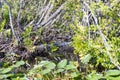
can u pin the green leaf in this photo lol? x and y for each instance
(50, 65)
(71, 66)
(2, 24)
(27, 31)
(86, 59)
(19, 63)
(94, 76)
(112, 72)
(7, 32)
(74, 74)
(54, 48)
(47, 64)
(43, 72)
(6, 70)
(28, 41)
(62, 63)
(41, 64)
(59, 70)
(113, 78)
(2, 77)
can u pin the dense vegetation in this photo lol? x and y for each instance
(59, 40)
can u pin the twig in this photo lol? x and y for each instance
(10, 17)
(18, 17)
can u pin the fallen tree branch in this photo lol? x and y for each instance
(54, 15)
(63, 50)
(47, 47)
